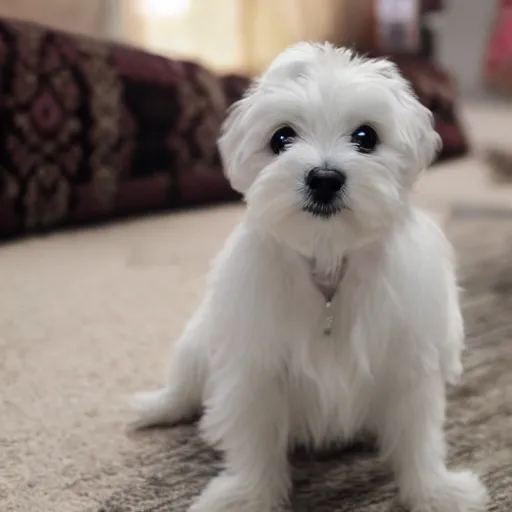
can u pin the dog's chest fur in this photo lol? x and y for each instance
(329, 385)
(329, 399)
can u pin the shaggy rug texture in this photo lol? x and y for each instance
(86, 318)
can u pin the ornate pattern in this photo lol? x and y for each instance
(94, 130)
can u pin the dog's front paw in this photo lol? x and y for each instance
(227, 493)
(457, 492)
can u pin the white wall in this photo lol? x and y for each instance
(463, 32)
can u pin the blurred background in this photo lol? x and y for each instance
(243, 35)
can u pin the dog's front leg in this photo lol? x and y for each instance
(247, 418)
(411, 435)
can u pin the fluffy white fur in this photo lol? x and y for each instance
(254, 356)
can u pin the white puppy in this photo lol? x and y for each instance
(333, 307)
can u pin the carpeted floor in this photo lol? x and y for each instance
(87, 317)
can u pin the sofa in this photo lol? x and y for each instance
(93, 130)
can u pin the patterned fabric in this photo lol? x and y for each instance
(92, 130)
(172, 466)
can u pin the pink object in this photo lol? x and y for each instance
(499, 54)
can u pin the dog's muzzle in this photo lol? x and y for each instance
(324, 188)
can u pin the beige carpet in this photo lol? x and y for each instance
(86, 318)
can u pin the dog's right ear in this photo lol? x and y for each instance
(231, 143)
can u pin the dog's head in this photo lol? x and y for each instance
(327, 145)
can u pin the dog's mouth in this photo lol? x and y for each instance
(323, 207)
(322, 210)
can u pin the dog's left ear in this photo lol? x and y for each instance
(415, 122)
(231, 142)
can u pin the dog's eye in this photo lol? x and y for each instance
(281, 139)
(365, 139)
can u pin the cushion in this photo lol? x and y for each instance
(92, 130)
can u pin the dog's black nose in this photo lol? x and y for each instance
(325, 183)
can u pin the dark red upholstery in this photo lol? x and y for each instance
(93, 130)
